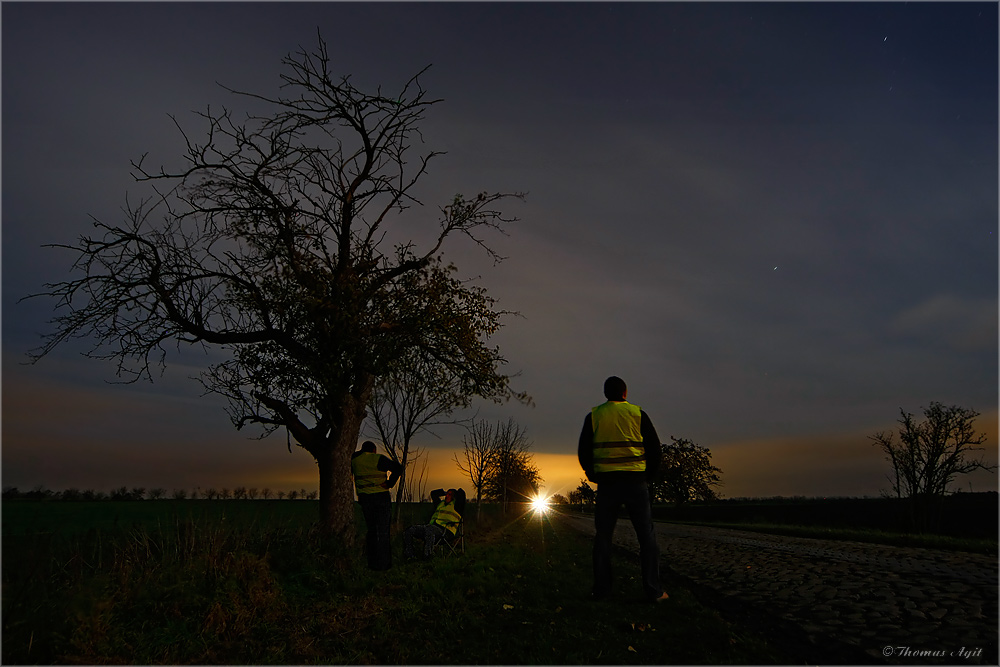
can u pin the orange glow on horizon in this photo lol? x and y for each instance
(59, 439)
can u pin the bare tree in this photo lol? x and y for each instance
(512, 475)
(479, 449)
(416, 460)
(269, 245)
(929, 455)
(416, 486)
(416, 395)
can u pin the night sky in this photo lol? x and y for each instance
(777, 222)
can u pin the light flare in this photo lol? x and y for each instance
(540, 504)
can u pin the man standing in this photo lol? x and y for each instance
(369, 471)
(620, 452)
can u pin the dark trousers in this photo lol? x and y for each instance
(377, 510)
(635, 497)
(430, 533)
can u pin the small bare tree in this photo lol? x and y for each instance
(415, 463)
(416, 395)
(416, 485)
(478, 454)
(930, 454)
(511, 473)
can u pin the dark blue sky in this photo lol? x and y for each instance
(777, 222)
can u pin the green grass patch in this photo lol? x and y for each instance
(249, 582)
(26, 517)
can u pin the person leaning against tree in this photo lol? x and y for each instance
(619, 451)
(372, 487)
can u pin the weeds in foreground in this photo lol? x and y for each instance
(209, 591)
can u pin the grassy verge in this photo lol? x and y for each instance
(942, 542)
(201, 591)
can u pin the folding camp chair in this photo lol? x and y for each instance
(452, 544)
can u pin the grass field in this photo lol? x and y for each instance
(251, 582)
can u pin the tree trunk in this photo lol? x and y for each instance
(401, 482)
(336, 492)
(333, 458)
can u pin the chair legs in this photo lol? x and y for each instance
(452, 544)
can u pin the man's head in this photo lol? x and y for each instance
(615, 389)
(368, 446)
(449, 495)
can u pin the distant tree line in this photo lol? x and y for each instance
(142, 493)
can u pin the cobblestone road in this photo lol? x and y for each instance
(895, 605)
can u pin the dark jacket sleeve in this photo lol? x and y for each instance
(585, 450)
(651, 443)
(386, 464)
(460, 501)
(436, 495)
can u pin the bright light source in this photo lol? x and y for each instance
(540, 504)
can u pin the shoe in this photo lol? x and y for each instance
(662, 598)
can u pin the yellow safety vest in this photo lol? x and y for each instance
(446, 516)
(367, 477)
(618, 437)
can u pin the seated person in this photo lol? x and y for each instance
(447, 514)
